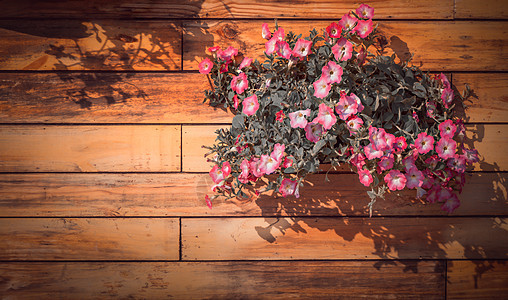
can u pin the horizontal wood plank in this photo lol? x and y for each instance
(343, 238)
(90, 45)
(489, 102)
(479, 279)
(238, 280)
(106, 98)
(86, 195)
(438, 46)
(396, 9)
(33, 148)
(89, 239)
(488, 9)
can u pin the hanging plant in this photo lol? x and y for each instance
(334, 98)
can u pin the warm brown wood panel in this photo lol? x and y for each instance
(489, 9)
(89, 239)
(490, 140)
(224, 280)
(448, 46)
(343, 238)
(34, 148)
(489, 102)
(398, 9)
(478, 279)
(106, 98)
(90, 45)
(60, 195)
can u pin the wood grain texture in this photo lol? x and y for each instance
(153, 195)
(482, 279)
(90, 45)
(489, 9)
(32, 148)
(489, 102)
(89, 239)
(438, 46)
(396, 9)
(106, 98)
(490, 140)
(344, 238)
(224, 280)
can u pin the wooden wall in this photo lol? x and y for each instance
(103, 180)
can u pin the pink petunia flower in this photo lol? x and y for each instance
(280, 116)
(365, 177)
(457, 163)
(444, 80)
(325, 117)
(279, 34)
(205, 66)
(250, 105)
(343, 50)
(414, 178)
(390, 140)
(358, 102)
(213, 49)
(399, 144)
(386, 163)
(451, 203)
(216, 174)
(283, 49)
(298, 119)
(313, 131)
(447, 129)
(228, 54)
(265, 31)
(348, 22)
(236, 101)
(365, 11)
(377, 138)
(424, 143)
(239, 83)
(446, 147)
(302, 48)
(321, 88)
(354, 124)
(287, 187)
(332, 72)
(428, 179)
(288, 162)
(278, 151)
(357, 160)
(268, 164)
(363, 28)
(408, 163)
(395, 180)
(245, 63)
(255, 167)
(244, 175)
(334, 30)
(346, 107)
(471, 156)
(432, 161)
(271, 46)
(372, 153)
(447, 97)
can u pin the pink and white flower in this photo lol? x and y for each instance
(325, 117)
(239, 83)
(298, 119)
(313, 131)
(271, 46)
(268, 164)
(220, 174)
(321, 88)
(354, 124)
(228, 54)
(288, 162)
(244, 175)
(358, 160)
(446, 147)
(348, 22)
(205, 66)
(424, 143)
(377, 138)
(332, 72)
(213, 49)
(471, 156)
(358, 102)
(279, 34)
(287, 187)
(365, 177)
(447, 129)
(457, 163)
(386, 163)
(365, 11)
(283, 49)
(343, 50)
(444, 80)
(236, 101)
(278, 151)
(265, 31)
(414, 178)
(255, 167)
(363, 28)
(447, 97)
(372, 153)
(395, 180)
(250, 105)
(346, 107)
(302, 48)
(399, 144)
(334, 30)
(245, 63)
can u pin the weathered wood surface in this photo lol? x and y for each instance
(344, 238)
(481, 279)
(474, 9)
(315, 9)
(90, 45)
(106, 98)
(439, 46)
(89, 239)
(490, 140)
(35, 148)
(224, 280)
(112, 195)
(170, 98)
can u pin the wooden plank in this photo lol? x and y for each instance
(474, 9)
(396, 9)
(480, 279)
(90, 45)
(89, 239)
(343, 238)
(224, 280)
(439, 46)
(33, 148)
(490, 140)
(490, 100)
(156, 195)
(106, 98)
